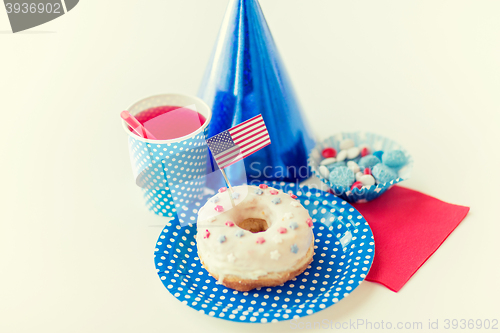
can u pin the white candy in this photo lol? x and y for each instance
(358, 176)
(367, 180)
(316, 154)
(353, 152)
(342, 155)
(353, 166)
(323, 170)
(329, 160)
(346, 144)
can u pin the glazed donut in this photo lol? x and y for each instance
(265, 240)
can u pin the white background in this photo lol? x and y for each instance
(76, 243)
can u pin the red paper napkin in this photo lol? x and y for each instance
(408, 227)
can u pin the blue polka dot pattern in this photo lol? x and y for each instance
(375, 142)
(344, 250)
(172, 175)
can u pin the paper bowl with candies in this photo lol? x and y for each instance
(360, 166)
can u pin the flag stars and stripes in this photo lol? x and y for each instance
(235, 144)
(220, 142)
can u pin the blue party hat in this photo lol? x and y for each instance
(245, 77)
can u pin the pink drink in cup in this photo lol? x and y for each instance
(170, 122)
(171, 168)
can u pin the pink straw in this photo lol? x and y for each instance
(136, 126)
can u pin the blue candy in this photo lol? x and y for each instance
(368, 161)
(258, 191)
(355, 159)
(394, 159)
(332, 166)
(379, 154)
(276, 201)
(383, 173)
(236, 195)
(294, 248)
(342, 176)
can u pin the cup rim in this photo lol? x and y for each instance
(176, 140)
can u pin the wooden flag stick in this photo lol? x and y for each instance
(230, 188)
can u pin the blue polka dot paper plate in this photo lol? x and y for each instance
(343, 255)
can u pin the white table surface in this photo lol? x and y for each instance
(76, 242)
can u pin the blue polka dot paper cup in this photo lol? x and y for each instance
(375, 143)
(171, 172)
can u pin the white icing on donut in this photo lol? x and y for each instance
(231, 257)
(277, 239)
(275, 255)
(230, 250)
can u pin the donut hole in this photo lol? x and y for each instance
(254, 225)
(254, 216)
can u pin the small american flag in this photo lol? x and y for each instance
(236, 143)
